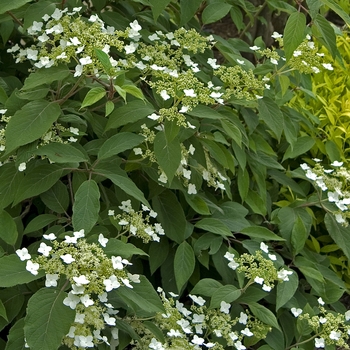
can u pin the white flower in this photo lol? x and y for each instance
(191, 189)
(57, 14)
(333, 196)
(102, 240)
(118, 262)
(109, 320)
(174, 333)
(190, 93)
(74, 131)
(197, 340)
(3, 111)
(319, 342)
(296, 312)
(164, 95)
(212, 63)
(191, 149)
(347, 315)
(335, 335)
(243, 318)
(32, 267)
(304, 166)
(273, 257)
(155, 345)
(184, 109)
(71, 332)
(258, 280)
(75, 41)
(297, 53)
(283, 274)
(323, 320)
(153, 37)
(240, 62)
(71, 300)
(50, 237)
(135, 26)
(339, 219)
(22, 167)
(67, 258)
(266, 288)
(254, 48)
(111, 283)
(138, 151)
(78, 70)
(85, 60)
(310, 175)
(163, 178)
(154, 116)
(23, 254)
(79, 318)
(43, 38)
(264, 247)
(320, 301)
(186, 173)
(225, 307)
(233, 265)
(273, 61)
(81, 280)
(135, 278)
(336, 163)
(85, 299)
(327, 66)
(190, 125)
(239, 346)
(77, 289)
(131, 48)
(276, 35)
(110, 212)
(198, 318)
(44, 249)
(185, 325)
(246, 331)
(317, 160)
(84, 342)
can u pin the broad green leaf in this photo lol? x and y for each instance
(294, 33)
(13, 271)
(15, 339)
(134, 91)
(40, 222)
(129, 113)
(61, 153)
(158, 252)
(9, 5)
(198, 204)
(13, 300)
(299, 235)
(46, 76)
(207, 241)
(264, 314)
(120, 178)
(93, 95)
(3, 312)
(168, 154)
(36, 11)
(3, 95)
(232, 131)
(150, 325)
(206, 287)
(285, 290)
(39, 180)
(8, 228)
(271, 114)
(169, 212)
(125, 250)
(188, 10)
(339, 233)
(121, 92)
(56, 198)
(325, 33)
(104, 59)
(6, 30)
(48, 320)
(125, 327)
(228, 293)
(158, 6)
(109, 108)
(314, 7)
(337, 9)
(261, 232)
(215, 226)
(119, 143)
(144, 295)
(86, 206)
(215, 11)
(10, 178)
(205, 112)
(33, 94)
(184, 263)
(30, 123)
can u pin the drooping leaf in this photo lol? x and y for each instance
(48, 320)
(261, 233)
(299, 235)
(10, 178)
(325, 33)
(93, 95)
(264, 314)
(119, 143)
(13, 271)
(86, 206)
(61, 153)
(285, 290)
(125, 250)
(214, 225)
(30, 123)
(38, 181)
(337, 9)
(294, 33)
(8, 228)
(9, 5)
(184, 263)
(36, 11)
(158, 7)
(188, 10)
(56, 198)
(215, 11)
(206, 287)
(104, 59)
(40, 222)
(158, 252)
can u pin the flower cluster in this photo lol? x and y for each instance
(329, 328)
(91, 274)
(335, 182)
(198, 327)
(138, 223)
(258, 269)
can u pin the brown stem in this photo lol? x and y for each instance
(14, 18)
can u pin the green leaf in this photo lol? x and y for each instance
(3, 313)
(61, 153)
(314, 7)
(48, 320)
(8, 228)
(13, 271)
(104, 59)
(129, 113)
(120, 178)
(94, 95)
(134, 91)
(10, 178)
(299, 235)
(285, 290)
(294, 33)
(39, 180)
(264, 314)
(56, 198)
(158, 252)
(121, 92)
(158, 6)
(228, 293)
(36, 11)
(271, 114)
(325, 33)
(339, 233)
(46, 76)
(337, 9)
(261, 233)
(206, 287)
(125, 250)
(40, 222)
(30, 123)
(109, 108)
(119, 143)
(205, 112)
(184, 263)
(169, 212)
(144, 295)
(215, 226)
(188, 10)
(215, 11)
(9, 5)
(86, 206)
(168, 154)
(15, 339)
